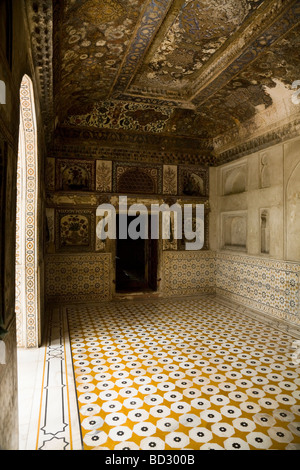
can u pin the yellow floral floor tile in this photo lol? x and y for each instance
(183, 374)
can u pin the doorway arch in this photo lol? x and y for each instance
(26, 289)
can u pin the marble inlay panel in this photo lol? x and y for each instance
(267, 285)
(78, 277)
(188, 273)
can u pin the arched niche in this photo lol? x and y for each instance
(234, 231)
(265, 177)
(235, 181)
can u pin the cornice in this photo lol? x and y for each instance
(157, 141)
(274, 136)
(40, 25)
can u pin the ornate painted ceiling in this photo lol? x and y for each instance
(189, 70)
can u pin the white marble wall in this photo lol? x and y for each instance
(264, 272)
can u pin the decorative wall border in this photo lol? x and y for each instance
(269, 286)
(58, 425)
(40, 22)
(69, 148)
(27, 260)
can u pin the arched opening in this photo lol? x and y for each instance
(26, 303)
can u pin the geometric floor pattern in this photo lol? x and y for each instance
(183, 374)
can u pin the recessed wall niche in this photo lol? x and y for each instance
(234, 179)
(265, 232)
(234, 231)
(193, 182)
(265, 177)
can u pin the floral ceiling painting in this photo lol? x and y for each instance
(191, 70)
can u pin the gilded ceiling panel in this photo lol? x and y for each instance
(126, 116)
(93, 37)
(170, 69)
(248, 93)
(237, 102)
(196, 34)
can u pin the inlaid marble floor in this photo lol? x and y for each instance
(166, 374)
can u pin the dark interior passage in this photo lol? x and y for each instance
(136, 264)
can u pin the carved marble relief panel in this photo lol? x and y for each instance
(170, 179)
(271, 167)
(104, 176)
(75, 230)
(293, 215)
(265, 231)
(265, 181)
(75, 175)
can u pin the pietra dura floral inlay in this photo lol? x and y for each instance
(75, 230)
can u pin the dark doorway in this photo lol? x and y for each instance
(136, 263)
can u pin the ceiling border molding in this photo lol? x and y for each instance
(40, 23)
(275, 136)
(70, 149)
(111, 136)
(127, 147)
